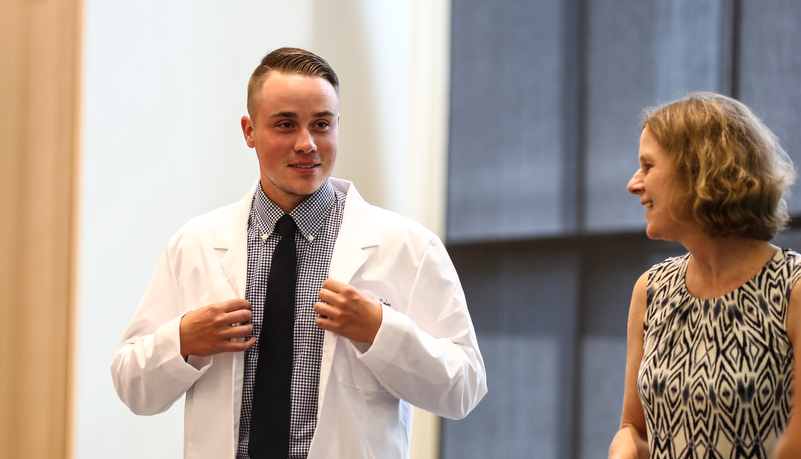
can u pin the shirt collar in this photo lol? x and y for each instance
(309, 215)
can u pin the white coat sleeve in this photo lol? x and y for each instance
(149, 372)
(429, 355)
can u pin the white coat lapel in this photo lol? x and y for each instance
(233, 238)
(357, 233)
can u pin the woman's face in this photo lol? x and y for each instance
(655, 183)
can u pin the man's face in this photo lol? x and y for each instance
(295, 136)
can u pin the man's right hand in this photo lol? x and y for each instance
(210, 330)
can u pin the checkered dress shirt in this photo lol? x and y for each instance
(318, 219)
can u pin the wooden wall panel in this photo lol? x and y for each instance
(39, 98)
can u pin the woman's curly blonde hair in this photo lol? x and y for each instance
(732, 172)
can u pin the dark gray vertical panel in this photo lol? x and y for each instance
(641, 53)
(603, 368)
(688, 47)
(770, 71)
(505, 154)
(523, 305)
(610, 273)
(573, 119)
(619, 84)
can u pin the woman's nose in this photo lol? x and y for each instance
(635, 184)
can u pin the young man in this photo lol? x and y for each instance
(300, 321)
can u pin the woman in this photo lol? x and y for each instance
(709, 371)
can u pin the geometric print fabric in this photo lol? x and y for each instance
(716, 376)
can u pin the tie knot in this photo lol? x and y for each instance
(286, 226)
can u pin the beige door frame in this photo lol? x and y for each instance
(40, 49)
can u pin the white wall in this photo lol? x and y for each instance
(164, 88)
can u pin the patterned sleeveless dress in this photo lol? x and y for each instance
(716, 375)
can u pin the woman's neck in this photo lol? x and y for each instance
(720, 265)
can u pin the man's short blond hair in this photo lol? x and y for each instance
(290, 61)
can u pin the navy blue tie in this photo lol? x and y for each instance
(272, 399)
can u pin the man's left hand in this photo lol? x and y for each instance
(345, 310)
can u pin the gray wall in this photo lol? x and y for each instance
(546, 98)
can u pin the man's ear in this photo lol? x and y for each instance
(247, 130)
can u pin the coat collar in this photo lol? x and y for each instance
(357, 232)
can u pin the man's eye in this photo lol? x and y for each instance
(322, 124)
(285, 125)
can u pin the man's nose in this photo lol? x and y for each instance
(635, 184)
(305, 142)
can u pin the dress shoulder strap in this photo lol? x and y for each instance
(663, 279)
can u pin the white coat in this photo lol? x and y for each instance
(425, 353)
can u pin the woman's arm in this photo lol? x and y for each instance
(631, 441)
(789, 446)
